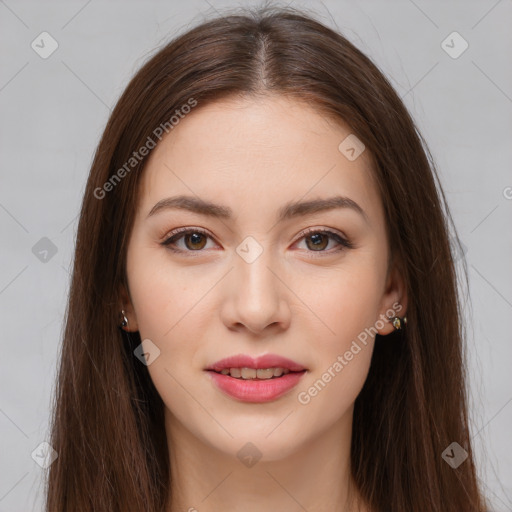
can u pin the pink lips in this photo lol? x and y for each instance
(266, 361)
(256, 390)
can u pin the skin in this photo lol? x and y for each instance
(255, 155)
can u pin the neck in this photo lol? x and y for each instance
(315, 476)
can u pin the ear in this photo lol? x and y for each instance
(394, 300)
(129, 312)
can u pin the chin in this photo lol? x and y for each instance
(258, 443)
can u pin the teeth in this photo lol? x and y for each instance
(252, 373)
(267, 373)
(235, 372)
(248, 373)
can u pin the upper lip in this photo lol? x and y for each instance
(262, 362)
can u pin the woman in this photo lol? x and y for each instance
(263, 312)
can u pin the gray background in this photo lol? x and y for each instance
(53, 111)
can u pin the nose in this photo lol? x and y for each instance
(256, 296)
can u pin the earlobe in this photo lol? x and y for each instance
(127, 319)
(394, 306)
(124, 320)
(391, 321)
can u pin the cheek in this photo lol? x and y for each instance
(171, 307)
(168, 307)
(163, 295)
(347, 303)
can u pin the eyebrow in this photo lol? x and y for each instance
(290, 210)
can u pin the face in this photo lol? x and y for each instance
(258, 275)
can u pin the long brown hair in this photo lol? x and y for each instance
(108, 425)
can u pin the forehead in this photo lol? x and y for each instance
(257, 153)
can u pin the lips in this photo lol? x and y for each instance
(251, 388)
(260, 363)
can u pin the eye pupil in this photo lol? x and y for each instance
(317, 240)
(196, 239)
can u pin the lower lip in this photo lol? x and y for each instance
(256, 390)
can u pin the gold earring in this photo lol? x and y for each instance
(124, 321)
(398, 322)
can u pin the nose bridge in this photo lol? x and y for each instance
(253, 266)
(257, 291)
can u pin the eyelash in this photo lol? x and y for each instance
(180, 232)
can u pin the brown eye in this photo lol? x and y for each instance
(194, 240)
(319, 241)
(197, 241)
